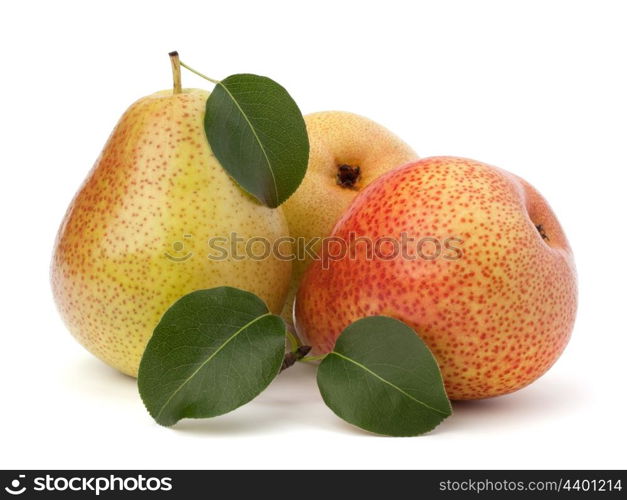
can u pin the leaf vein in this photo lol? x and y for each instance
(195, 372)
(366, 369)
(254, 131)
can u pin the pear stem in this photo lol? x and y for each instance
(199, 73)
(292, 357)
(312, 359)
(176, 72)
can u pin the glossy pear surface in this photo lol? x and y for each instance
(140, 232)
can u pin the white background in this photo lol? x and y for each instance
(538, 88)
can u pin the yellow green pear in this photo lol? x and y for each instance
(137, 235)
(347, 152)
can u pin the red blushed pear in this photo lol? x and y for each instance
(491, 290)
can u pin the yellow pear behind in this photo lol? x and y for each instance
(347, 152)
(138, 234)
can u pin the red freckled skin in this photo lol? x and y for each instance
(497, 318)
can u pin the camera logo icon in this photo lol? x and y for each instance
(15, 489)
(179, 253)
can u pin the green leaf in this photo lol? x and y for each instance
(258, 134)
(383, 378)
(213, 351)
